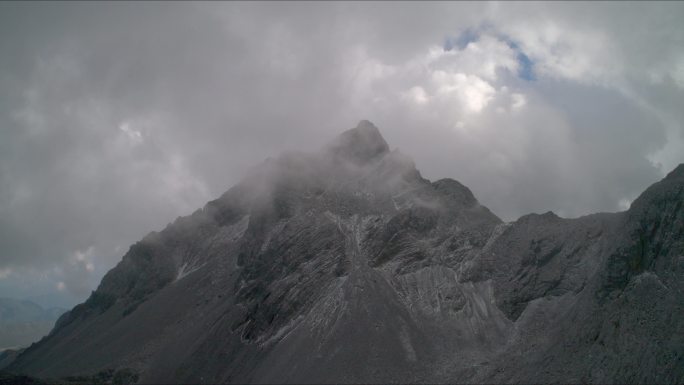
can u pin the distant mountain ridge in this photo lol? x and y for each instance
(347, 266)
(23, 322)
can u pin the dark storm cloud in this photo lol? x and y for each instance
(117, 117)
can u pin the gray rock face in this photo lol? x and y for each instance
(360, 145)
(347, 266)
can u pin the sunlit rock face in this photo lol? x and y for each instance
(345, 265)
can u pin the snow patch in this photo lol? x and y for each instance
(186, 270)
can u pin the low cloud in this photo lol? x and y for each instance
(116, 118)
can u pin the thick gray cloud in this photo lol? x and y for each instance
(115, 118)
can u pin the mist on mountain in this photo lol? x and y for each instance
(345, 265)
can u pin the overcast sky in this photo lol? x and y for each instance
(117, 118)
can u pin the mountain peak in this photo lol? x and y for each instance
(360, 144)
(366, 125)
(317, 265)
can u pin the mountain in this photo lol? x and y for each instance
(347, 266)
(24, 322)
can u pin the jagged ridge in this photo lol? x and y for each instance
(347, 266)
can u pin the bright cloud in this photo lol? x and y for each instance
(469, 91)
(483, 57)
(417, 95)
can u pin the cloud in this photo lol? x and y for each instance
(115, 118)
(483, 57)
(416, 95)
(133, 135)
(4, 273)
(470, 91)
(518, 101)
(624, 204)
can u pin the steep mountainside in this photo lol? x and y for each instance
(347, 266)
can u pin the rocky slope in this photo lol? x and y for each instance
(347, 266)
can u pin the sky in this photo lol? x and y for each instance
(116, 118)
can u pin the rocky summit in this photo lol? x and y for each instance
(347, 266)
